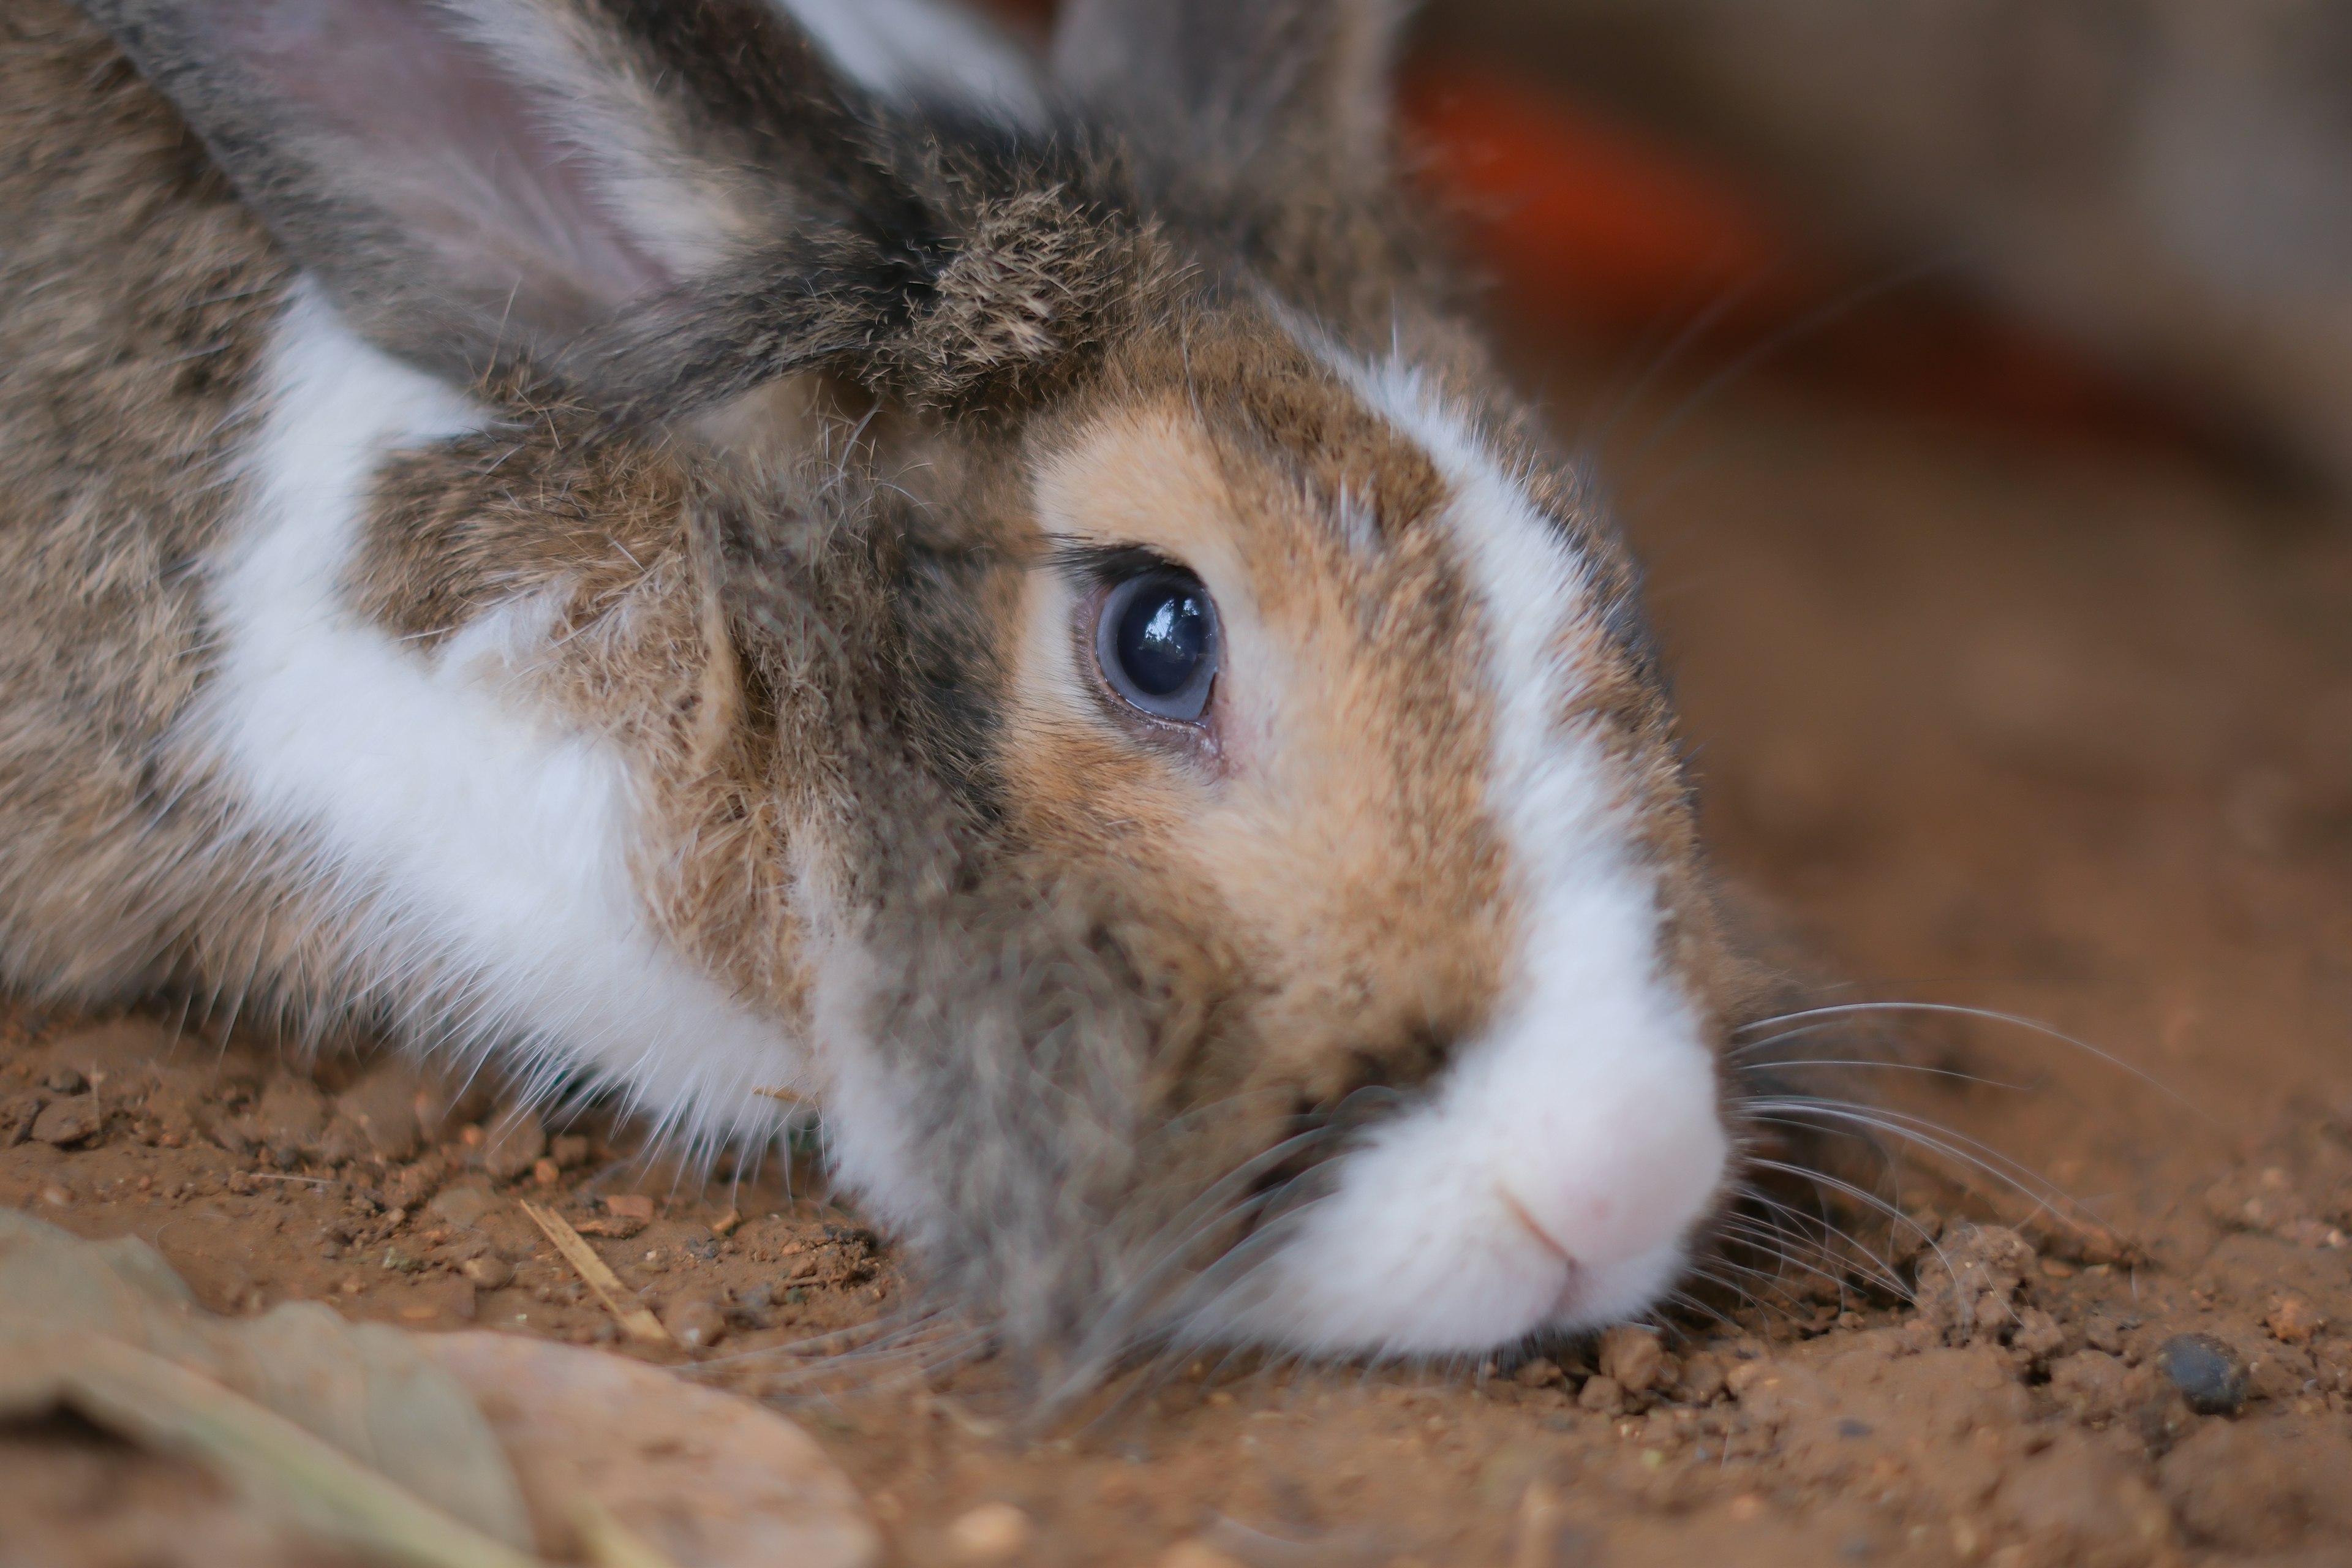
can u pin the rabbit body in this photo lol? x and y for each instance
(586, 533)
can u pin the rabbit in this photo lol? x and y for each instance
(724, 554)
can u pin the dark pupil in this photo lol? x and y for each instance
(1161, 637)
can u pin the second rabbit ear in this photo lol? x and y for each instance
(475, 181)
(1243, 80)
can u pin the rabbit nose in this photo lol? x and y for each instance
(1534, 1227)
(1623, 1190)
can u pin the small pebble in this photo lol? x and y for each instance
(518, 1142)
(694, 1321)
(993, 1532)
(2207, 1372)
(488, 1272)
(629, 1206)
(64, 1080)
(1632, 1357)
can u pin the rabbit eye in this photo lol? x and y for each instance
(1156, 643)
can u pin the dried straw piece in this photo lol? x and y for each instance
(635, 1321)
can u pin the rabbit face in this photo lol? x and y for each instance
(1413, 853)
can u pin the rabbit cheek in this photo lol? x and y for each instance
(474, 845)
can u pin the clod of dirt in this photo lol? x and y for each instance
(993, 1532)
(568, 1151)
(2209, 1374)
(2038, 1334)
(2292, 1320)
(63, 1122)
(1603, 1394)
(2091, 1385)
(1968, 1285)
(64, 1080)
(518, 1142)
(1632, 1357)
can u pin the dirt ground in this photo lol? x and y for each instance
(2061, 734)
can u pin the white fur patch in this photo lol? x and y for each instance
(1552, 1174)
(923, 47)
(493, 837)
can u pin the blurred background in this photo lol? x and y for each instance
(2106, 220)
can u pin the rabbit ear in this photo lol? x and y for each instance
(1244, 76)
(475, 180)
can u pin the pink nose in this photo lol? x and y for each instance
(1620, 1191)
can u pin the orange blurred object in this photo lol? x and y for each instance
(1593, 228)
(1584, 222)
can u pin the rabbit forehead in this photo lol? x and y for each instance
(1410, 643)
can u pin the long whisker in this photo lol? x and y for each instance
(1988, 1014)
(2046, 1196)
(1778, 1063)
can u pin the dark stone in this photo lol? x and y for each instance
(2211, 1375)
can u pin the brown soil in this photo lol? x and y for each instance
(2063, 736)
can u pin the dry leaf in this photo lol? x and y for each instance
(707, 1479)
(363, 1387)
(438, 1451)
(280, 1465)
